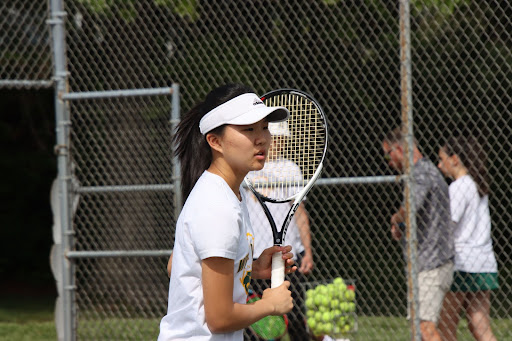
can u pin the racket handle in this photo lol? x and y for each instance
(277, 275)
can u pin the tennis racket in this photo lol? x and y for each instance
(272, 327)
(293, 166)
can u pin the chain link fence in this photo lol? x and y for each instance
(25, 58)
(345, 53)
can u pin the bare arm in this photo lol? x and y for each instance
(169, 266)
(302, 220)
(222, 314)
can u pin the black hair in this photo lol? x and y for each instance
(192, 149)
(473, 157)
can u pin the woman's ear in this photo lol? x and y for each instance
(455, 160)
(214, 142)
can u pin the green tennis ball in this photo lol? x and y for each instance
(327, 328)
(310, 303)
(310, 293)
(339, 283)
(318, 315)
(326, 301)
(341, 321)
(344, 307)
(351, 306)
(332, 290)
(326, 316)
(350, 295)
(312, 323)
(334, 303)
(321, 289)
(317, 299)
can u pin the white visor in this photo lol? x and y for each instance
(241, 110)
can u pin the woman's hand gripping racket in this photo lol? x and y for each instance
(293, 165)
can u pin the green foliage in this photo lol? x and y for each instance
(187, 9)
(126, 9)
(442, 7)
(96, 6)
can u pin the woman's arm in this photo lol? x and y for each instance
(169, 266)
(302, 219)
(222, 314)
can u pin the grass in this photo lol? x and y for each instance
(27, 318)
(24, 319)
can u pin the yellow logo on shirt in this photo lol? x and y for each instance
(245, 279)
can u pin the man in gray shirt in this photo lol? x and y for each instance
(434, 231)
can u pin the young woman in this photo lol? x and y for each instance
(463, 160)
(218, 143)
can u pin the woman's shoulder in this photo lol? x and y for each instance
(211, 191)
(465, 182)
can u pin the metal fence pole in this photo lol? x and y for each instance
(406, 99)
(175, 119)
(57, 15)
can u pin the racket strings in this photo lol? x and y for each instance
(296, 152)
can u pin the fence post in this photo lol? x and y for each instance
(56, 21)
(407, 119)
(175, 119)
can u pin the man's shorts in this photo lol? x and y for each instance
(473, 282)
(432, 287)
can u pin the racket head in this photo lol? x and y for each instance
(270, 327)
(297, 150)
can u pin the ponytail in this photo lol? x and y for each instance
(192, 149)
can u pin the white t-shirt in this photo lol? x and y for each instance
(275, 170)
(213, 223)
(473, 243)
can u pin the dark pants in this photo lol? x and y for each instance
(296, 317)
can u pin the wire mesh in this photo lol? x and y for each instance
(25, 59)
(346, 54)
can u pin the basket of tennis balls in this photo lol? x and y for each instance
(331, 307)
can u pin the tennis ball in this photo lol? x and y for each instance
(318, 315)
(310, 293)
(336, 313)
(351, 306)
(341, 321)
(327, 328)
(321, 289)
(310, 313)
(312, 323)
(344, 307)
(332, 290)
(310, 303)
(317, 299)
(339, 283)
(335, 303)
(350, 295)
(325, 301)
(323, 308)
(326, 316)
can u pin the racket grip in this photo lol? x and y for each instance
(277, 275)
